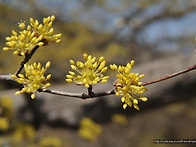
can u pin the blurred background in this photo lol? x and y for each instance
(158, 35)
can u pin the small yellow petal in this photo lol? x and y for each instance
(48, 76)
(69, 80)
(136, 107)
(17, 93)
(13, 76)
(72, 62)
(123, 99)
(143, 99)
(85, 56)
(124, 106)
(33, 96)
(48, 64)
(6, 48)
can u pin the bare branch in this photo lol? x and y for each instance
(170, 76)
(6, 77)
(77, 95)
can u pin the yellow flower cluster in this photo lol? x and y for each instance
(90, 71)
(34, 78)
(128, 85)
(45, 30)
(35, 34)
(24, 41)
(50, 142)
(88, 129)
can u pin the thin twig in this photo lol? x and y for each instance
(77, 95)
(91, 94)
(26, 59)
(6, 77)
(90, 91)
(170, 76)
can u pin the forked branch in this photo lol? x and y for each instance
(26, 59)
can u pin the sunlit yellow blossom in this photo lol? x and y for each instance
(34, 78)
(21, 25)
(45, 30)
(50, 142)
(4, 124)
(90, 72)
(88, 129)
(128, 85)
(24, 41)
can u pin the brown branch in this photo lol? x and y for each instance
(91, 94)
(77, 95)
(6, 77)
(170, 76)
(26, 59)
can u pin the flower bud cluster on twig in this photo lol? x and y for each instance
(128, 85)
(90, 72)
(35, 34)
(28, 40)
(34, 78)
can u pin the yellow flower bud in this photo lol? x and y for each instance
(48, 64)
(18, 92)
(69, 80)
(72, 62)
(143, 99)
(69, 76)
(33, 96)
(124, 106)
(101, 59)
(136, 107)
(14, 33)
(48, 77)
(52, 18)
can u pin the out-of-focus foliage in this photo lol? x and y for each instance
(16, 133)
(89, 130)
(120, 119)
(6, 113)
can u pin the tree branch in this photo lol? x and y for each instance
(78, 95)
(91, 94)
(170, 76)
(26, 59)
(6, 77)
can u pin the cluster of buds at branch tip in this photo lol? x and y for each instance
(128, 85)
(89, 73)
(34, 78)
(23, 42)
(34, 34)
(45, 30)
